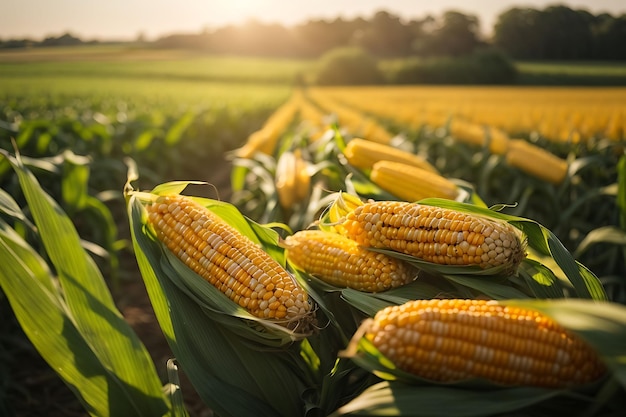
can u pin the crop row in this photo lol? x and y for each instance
(569, 187)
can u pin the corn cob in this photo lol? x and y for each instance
(228, 260)
(303, 178)
(410, 183)
(375, 132)
(434, 234)
(498, 141)
(471, 133)
(363, 154)
(285, 180)
(341, 262)
(536, 161)
(455, 340)
(292, 179)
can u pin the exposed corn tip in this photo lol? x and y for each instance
(364, 154)
(455, 340)
(412, 183)
(536, 161)
(341, 262)
(435, 234)
(227, 259)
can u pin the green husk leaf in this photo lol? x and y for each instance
(212, 301)
(216, 306)
(390, 398)
(174, 187)
(541, 280)
(371, 303)
(602, 324)
(492, 288)
(233, 378)
(542, 240)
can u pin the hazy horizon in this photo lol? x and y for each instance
(124, 20)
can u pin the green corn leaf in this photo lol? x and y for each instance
(89, 301)
(621, 191)
(23, 251)
(145, 139)
(75, 181)
(604, 234)
(10, 207)
(51, 330)
(176, 131)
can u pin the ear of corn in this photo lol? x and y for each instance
(498, 141)
(341, 262)
(303, 177)
(467, 132)
(434, 234)
(411, 183)
(455, 340)
(285, 180)
(228, 260)
(375, 132)
(292, 179)
(536, 161)
(364, 154)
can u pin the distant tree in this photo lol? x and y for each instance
(566, 33)
(386, 36)
(515, 32)
(609, 34)
(316, 37)
(456, 35)
(187, 41)
(64, 40)
(141, 37)
(253, 38)
(556, 32)
(348, 66)
(17, 43)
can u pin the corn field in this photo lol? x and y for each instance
(408, 251)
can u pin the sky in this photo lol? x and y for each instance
(125, 19)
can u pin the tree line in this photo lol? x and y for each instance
(553, 33)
